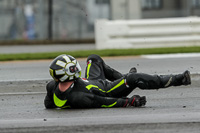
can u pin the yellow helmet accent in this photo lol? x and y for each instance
(52, 75)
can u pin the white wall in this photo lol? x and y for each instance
(125, 9)
(146, 33)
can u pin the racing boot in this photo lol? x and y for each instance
(176, 80)
(133, 70)
(187, 79)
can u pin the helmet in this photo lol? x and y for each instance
(65, 68)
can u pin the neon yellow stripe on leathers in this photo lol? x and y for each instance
(109, 106)
(58, 102)
(90, 86)
(116, 86)
(88, 70)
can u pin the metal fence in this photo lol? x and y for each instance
(75, 19)
(29, 19)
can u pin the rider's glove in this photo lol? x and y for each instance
(137, 101)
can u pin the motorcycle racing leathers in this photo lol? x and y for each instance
(103, 86)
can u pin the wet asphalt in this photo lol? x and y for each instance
(175, 109)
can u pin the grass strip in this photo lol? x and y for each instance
(107, 52)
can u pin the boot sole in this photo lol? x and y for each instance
(187, 77)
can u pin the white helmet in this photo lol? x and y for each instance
(65, 68)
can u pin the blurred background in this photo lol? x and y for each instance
(75, 19)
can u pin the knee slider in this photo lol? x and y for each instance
(136, 80)
(131, 80)
(142, 85)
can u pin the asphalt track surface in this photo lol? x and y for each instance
(175, 109)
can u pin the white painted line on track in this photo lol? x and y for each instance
(22, 93)
(21, 80)
(187, 117)
(165, 56)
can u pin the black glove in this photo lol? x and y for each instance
(137, 101)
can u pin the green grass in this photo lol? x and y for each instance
(108, 52)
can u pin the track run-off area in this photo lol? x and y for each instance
(174, 109)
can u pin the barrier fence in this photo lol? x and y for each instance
(147, 33)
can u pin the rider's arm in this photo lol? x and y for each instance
(86, 100)
(48, 101)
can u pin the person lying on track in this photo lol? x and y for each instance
(102, 85)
